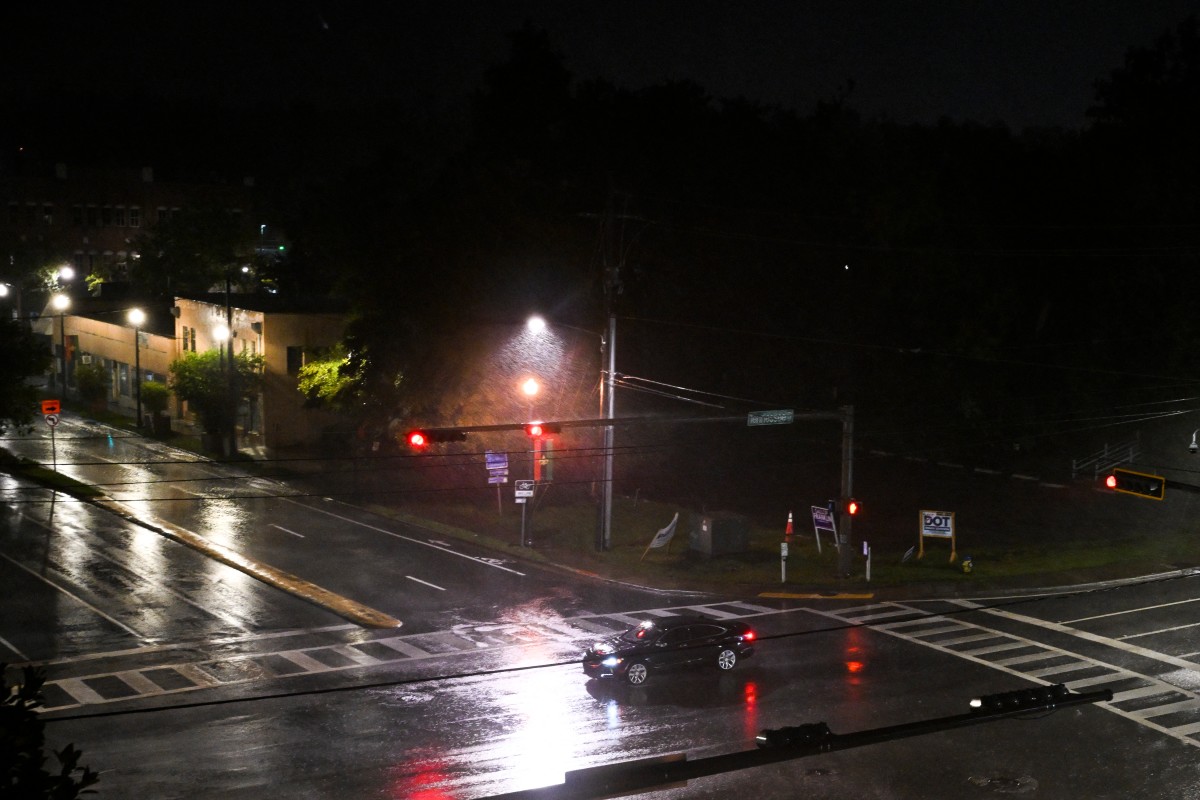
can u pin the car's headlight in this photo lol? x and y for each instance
(611, 661)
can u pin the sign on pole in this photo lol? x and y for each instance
(51, 407)
(937, 525)
(781, 417)
(497, 467)
(523, 488)
(823, 521)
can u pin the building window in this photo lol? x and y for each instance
(106, 217)
(123, 379)
(48, 213)
(295, 360)
(185, 338)
(193, 340)
(93, 216)
(135, 217)
(119, 216)
(77, 216)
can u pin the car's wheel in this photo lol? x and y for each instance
(727, 659)
(637, 673)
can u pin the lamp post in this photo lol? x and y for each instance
(536, 325)
(530, 388)
(136, 317)
(61, 303)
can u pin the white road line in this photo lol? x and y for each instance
(485, 562)
(1152, 685)
(426, 583)
(1091, 637)
(1160, 630)
(1130, 611)
(74, 597)
(285, 530)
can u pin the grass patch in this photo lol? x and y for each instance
(44, 476)
(565, 534)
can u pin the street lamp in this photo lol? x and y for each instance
(61, 303)
(136, 317)
(608, 352)
(530, 387)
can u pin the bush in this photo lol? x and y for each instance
(92, 382)
(23, 742)
(155, 397)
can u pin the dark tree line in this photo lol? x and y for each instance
(811, 256)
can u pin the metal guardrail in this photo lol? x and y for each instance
(1108, 457)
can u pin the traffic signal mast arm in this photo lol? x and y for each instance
(603, 422)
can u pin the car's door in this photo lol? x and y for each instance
(703, 642)
(672, 648)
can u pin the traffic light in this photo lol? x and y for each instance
(420, 439)
(1136, 483)
(852, 507)
(536, 430)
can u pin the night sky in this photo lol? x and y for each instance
(1021, 62)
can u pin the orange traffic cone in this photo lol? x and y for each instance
(788, 532)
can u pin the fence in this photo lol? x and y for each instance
(1107, 458)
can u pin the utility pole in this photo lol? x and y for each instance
(845, 554)
(610, 345)
(231, 399)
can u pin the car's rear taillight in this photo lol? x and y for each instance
(748, 636)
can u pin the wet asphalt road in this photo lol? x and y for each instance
(255, 693)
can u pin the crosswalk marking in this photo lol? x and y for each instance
(167, 679)
(1164, 698)
(986, 646)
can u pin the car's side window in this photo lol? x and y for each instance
(678, 635)
(704, 631)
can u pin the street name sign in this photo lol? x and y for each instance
(784, 416)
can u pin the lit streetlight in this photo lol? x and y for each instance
(608, 353)
(61, 303)
(530, 387)
(136, 318)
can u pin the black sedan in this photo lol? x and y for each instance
(665, 644)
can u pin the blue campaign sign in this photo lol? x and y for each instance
(823, 519)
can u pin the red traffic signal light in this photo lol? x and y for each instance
(536, 430)
(1142, 484)
(852, 507)
(420, 439)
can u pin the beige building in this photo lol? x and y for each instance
(285, 334)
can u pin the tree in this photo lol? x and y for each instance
(21, 358)
(331, 381)
(192, 251)
(22, 746)
(202, 380)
